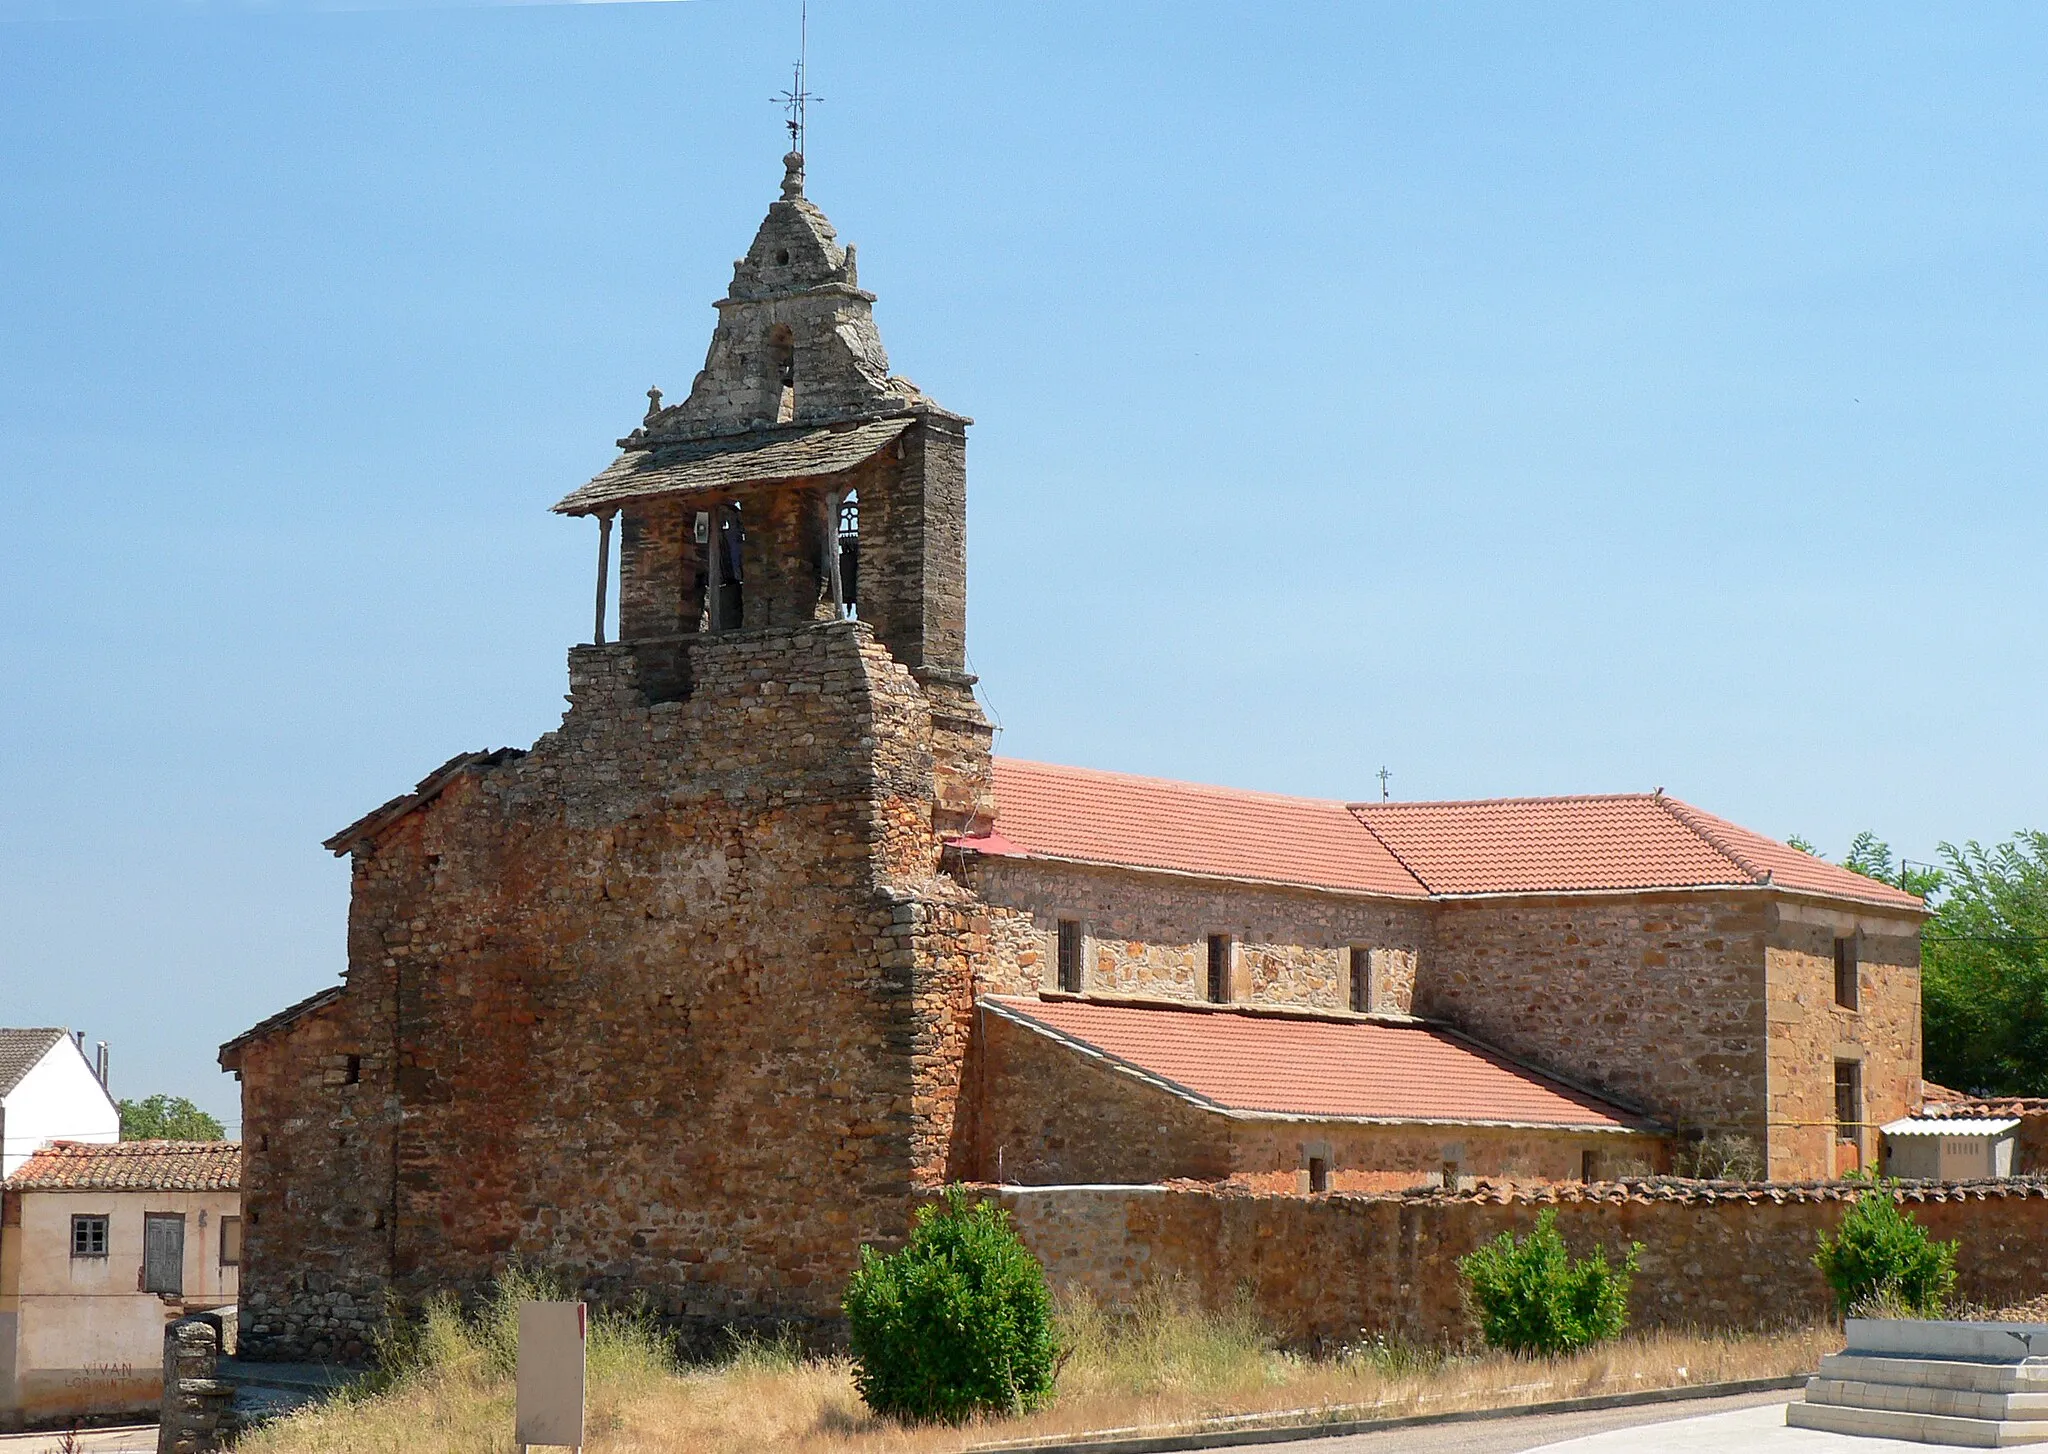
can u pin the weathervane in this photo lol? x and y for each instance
(797, 97)
(1383, 775)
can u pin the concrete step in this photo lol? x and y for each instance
(1914, 1398)
(1971, 1377)
(1967, 1342)
(1954, 1433)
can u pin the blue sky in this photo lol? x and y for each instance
(1530, 399)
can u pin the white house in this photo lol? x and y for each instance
(50, 1092)
(100, 1246)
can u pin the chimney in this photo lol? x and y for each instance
(100, 1064)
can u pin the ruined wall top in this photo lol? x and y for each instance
(796, 340)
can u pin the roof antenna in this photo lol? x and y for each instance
(797, 97)
(1383, 775)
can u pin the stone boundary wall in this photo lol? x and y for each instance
(1328, 1270)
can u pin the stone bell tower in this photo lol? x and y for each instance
(800, 481)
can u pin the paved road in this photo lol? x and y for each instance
(1745, 1422)
(139, 1439)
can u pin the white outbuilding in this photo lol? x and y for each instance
(1951, 1148)
(49, 1092)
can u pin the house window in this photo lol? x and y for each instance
(1219, 969)
(1589, 1166)
(352, 1070)
(1318, 1173)
(1361, 978)
(89, 1236)
(1071, 943)
(1845, 972)
(1848, 1100)
(230, 1241)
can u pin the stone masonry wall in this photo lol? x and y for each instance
(1655, 999)
(319, 1101)
(1046, 1114)
(678, 998)
(1147, 934)
(1334, 1269)
(1809, 1032)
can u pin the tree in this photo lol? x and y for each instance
(1983, 957)
(955, 1323)
(167, 1118)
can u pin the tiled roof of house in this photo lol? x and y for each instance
(1634, 1191)
(20, 1050)
(1408, 850)
(1079, 813)
(132, 1166)
(1237, 1060)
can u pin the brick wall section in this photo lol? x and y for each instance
(1329, 1270)
(1148, 933)
(1657, 999)
(1809, 1032)
(677, 1001)
(1046, 1113)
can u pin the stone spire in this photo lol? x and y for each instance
(795, 342)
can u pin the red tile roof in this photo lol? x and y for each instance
(1407, 850)
(1291, 1065)
(1142, 822)
(132, 1166)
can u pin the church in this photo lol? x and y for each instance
(718, 980)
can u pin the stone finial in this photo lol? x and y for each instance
(653, 405)
(851, 269)
(793, 176)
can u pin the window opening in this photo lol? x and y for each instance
(1450, 1176)
(849, 554)
(724, 593)
(89, 1236)
(230, 1241)
(1848, 1099)
(1589, 1166)
(1070, 956)
(1219, 969)
(352, 1070)
(1318, 1174)
(1361, 979)
(1845, 972)
(782, 359)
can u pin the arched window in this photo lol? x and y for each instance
(782, 360)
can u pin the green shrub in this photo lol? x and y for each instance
(957, 1322)
(1532, 1298)
(1882, 1257)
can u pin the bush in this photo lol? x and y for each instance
(1882, 1257)
(1531, 1298)
(957, 1322)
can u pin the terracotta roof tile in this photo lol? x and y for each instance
(1407, 850)
(132, 1166)
(1286, 1065)
(1044, 811)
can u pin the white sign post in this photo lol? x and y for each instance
(551, 1343)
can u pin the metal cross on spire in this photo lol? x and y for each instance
(797, 96)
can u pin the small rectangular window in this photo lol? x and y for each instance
(89, 1236)
(1848, 1099)
(230, 1241)
(1071, 944)
(1219, 969)
(352, 1071)
(1589, 1166)
(1450, 1176)
(1361, 979)
(1318, 1174)
(1845, 972)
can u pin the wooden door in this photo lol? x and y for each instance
(163, 1253)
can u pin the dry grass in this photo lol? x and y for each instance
(1159, 1363)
